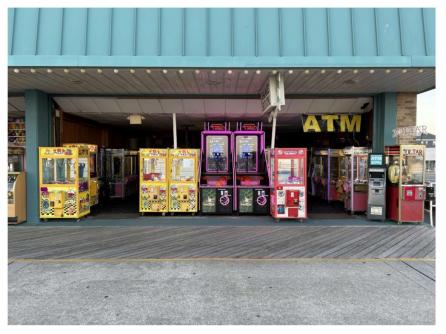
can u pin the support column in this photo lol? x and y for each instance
(384, 120)
(174, 126)
(38, 108)
(406, 114)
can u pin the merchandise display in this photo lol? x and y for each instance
(153, 186)
(16, 197)
(355, 185)
(251, 175)
(64, 182)
(216, 181)
(16, 132)
(406, 190)
(183, 180)
(289, 185)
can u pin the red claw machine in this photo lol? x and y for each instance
(289, 186)
(406, 190)
(356, 183)
(251, 188)
(216, 182)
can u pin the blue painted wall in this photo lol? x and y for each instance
(240, 37)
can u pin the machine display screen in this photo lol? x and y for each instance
(217, 153)
(290, 171)
(376, 160)
(246, 150)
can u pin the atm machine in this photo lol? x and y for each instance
(251, 176)
(216, 182)
(153, 180)
(288, 177)
(406, 190)
(376, 207)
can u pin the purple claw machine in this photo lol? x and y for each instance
(252, 187)
(216, 182)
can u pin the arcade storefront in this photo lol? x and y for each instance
(252, 129)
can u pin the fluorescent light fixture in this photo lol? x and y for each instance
(135, 119)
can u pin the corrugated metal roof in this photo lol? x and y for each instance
(221, 37)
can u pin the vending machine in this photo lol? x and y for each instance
(216, 182)
(183, 180)
(153, 188)
(251, 175)
(122, 172)
(406, 189)
(16, 197)
(64, 182)
(94, 171)
(376, 208)
(289, 185)
(355, 185)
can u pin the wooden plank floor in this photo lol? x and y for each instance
(143, 242)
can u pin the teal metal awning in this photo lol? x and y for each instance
(221, 37)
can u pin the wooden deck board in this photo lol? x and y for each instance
(222, 241)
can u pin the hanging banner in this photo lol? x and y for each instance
(331, 123)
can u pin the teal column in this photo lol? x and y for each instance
(38, 109)
(384, 120)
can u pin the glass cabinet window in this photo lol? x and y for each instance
(93, 165)
(117, 166)
(290, 171)
(48, 173)
(246, 149)
(217, 153)
(362, 162)
(83, 169)
(154, 169)
(183, 169)
(412, 170)
(334, 167)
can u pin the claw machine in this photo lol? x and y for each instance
(406, 190)
(289, 185)
(122, 172)
(153, 186)
(216, 182)
(356, 183)
(64, 182)
(183, 180)
(94, 168)
(251, 174)
(334, 161)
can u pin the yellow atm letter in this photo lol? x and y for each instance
(330, 121)
(352, 126)
(311, 123)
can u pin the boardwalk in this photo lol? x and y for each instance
(247, 242)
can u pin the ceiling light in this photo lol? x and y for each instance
(148, 71)
(258, 72)
(420, 70)
(355, 71)
(404, 71)
(116, 71)
(387, 71)
(165, 71)
(66, 70)
(99, 71)
(213, 71)
(135, 119)
(181, 71)
(49, 70)
(307, 71)
(16, 70)
(197, 71)
(246, 71)
(82, 70)
(132, 71)
(339, 71)
(322, 71)
(290, 71)
(274, 72)
(229, 71)
(372, 71)
(32, 70)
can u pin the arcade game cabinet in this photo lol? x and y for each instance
(216, 183)
(183, 180)
(406, 190)
(289, 190)
(333, 173)
(355, 185)
(122, 172)
(252, 188)
(153, 186)
(64, 182)
(16, 197)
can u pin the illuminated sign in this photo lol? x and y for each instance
(331, 123)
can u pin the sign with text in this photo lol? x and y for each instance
(409, 131)
(331, 123)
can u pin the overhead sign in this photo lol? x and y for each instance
(409, 131)
(273, 94)
(331, 123)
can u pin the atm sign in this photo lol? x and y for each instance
(331, 123)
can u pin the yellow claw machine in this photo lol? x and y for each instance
(183, 180)
(153, 187)
(64, 182)
(93, 167)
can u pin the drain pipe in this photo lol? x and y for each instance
(174, 125)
